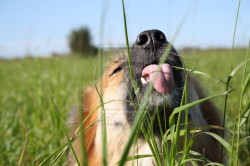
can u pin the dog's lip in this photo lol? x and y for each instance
(160, 75)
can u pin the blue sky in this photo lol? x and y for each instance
(42, 27)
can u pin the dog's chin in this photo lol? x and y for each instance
(160, 101)
(158, 108)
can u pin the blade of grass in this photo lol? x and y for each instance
(104, 130)
(200, 73)
(64, 129)
(151, 140)
(228, 147)
(82, 140)
(59, 156)
(187, 143)
(35, 162)
(184, 107)
(131, 73)
(240, 112)
(231, 158)
(246, 139)
(246, 84)
(187, 151)
(181, 133)
(136, 157)
(192, 160)
(24, 147)
(83, 152)
(246, 114)
(100, 73)
(151, 144)
(237, 68)
(66, 144)
(176, 132)
(51, 155)
(229, 77)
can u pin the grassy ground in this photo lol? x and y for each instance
(216, 63)
(27, 110)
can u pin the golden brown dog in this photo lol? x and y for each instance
(121, 99)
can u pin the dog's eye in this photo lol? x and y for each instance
(119, 68)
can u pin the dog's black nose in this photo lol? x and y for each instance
(151, 39)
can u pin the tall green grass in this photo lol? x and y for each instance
(37, 94)
(27, 110)
(26, 107)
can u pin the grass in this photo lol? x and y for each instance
(37, 94)
(25, 104)
(30, 130)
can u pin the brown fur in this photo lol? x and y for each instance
(89, 105)
(90, 115)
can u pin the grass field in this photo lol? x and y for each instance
(29, 128)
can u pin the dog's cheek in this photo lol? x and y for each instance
(113, 98)
(116, 123)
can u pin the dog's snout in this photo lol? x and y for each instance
(151, 39)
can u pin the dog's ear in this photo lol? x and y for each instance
(89, 117)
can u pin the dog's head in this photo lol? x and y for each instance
(151, 75)
(153, 61)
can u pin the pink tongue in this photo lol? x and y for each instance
(161, 75)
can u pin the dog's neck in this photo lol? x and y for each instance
(118, 130)
(117, 138)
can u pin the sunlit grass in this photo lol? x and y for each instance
(37, 94)
(25, 102)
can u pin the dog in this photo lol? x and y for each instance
(125, 84)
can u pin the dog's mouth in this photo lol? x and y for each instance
(146, 55)
(161, 77)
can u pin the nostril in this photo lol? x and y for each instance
(142, 39)
(159, 36)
